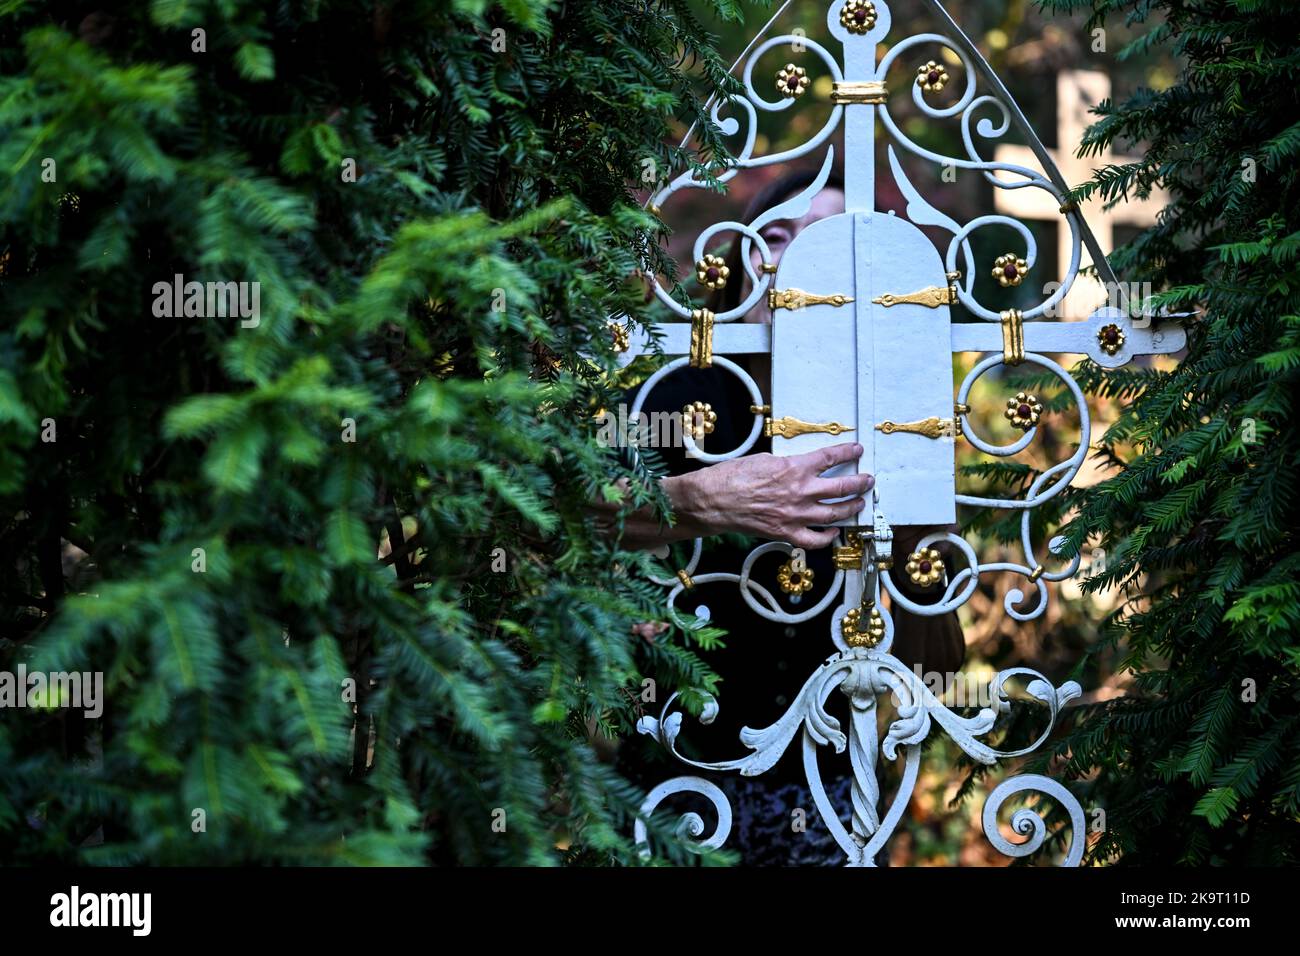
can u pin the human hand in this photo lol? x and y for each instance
(773, 497)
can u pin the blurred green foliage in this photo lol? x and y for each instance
(194, 505)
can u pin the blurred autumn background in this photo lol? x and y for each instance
(1057, 71)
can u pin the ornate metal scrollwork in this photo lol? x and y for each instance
(862, 630)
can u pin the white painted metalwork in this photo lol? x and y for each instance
(902, 374)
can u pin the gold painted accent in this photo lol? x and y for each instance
(931, 427)
(788, 427)
(1036, 573)
(760, 409)
(1013, 337)
(931, 76)
(699, 418)
(931, 297)
(654, 210)
(1019, 269)
(621, 339)
(953, 276)
(884, 564)
(686, 580)
(797, 299)
(847, 557)
(925, 567)
(961, 409)
(1023, 420)
(1110, 346)
(701, 338)
(858, 16)
(718, 266)
(1068, 207)
(871, 92)
(792, 581)
(769, 268)
(854, 637)
(784, 77)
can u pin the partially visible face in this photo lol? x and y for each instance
(779, 234)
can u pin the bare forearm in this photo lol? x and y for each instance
(644, 530)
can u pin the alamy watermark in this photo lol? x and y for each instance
(77, 690)
(1133, 298)
(208, 300)
(961, 688)
(619, 429)
(133, 911)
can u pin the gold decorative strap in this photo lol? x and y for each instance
(1069, 207)
(931, 427)
(858, 91)
(654, 210)
(769, 267)
(687, 581)
(797, 299)
(1013, 337)
(788, 427)
(760, 409)
(1036, 573)
(931, 297)
(701, 338)
(961, 408)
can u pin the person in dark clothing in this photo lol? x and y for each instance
(764, 664)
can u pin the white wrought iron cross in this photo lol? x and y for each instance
(861, 341)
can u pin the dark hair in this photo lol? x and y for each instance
(776, 191)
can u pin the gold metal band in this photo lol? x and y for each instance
(1013, 337)
(687, 581)
(769, 267)
(1069, 207)
(701, 338)
(1036, 573)
(654, 210)
(847, 557)
(858, 91)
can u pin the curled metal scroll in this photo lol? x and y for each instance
(1030, 824)
(689, 825)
